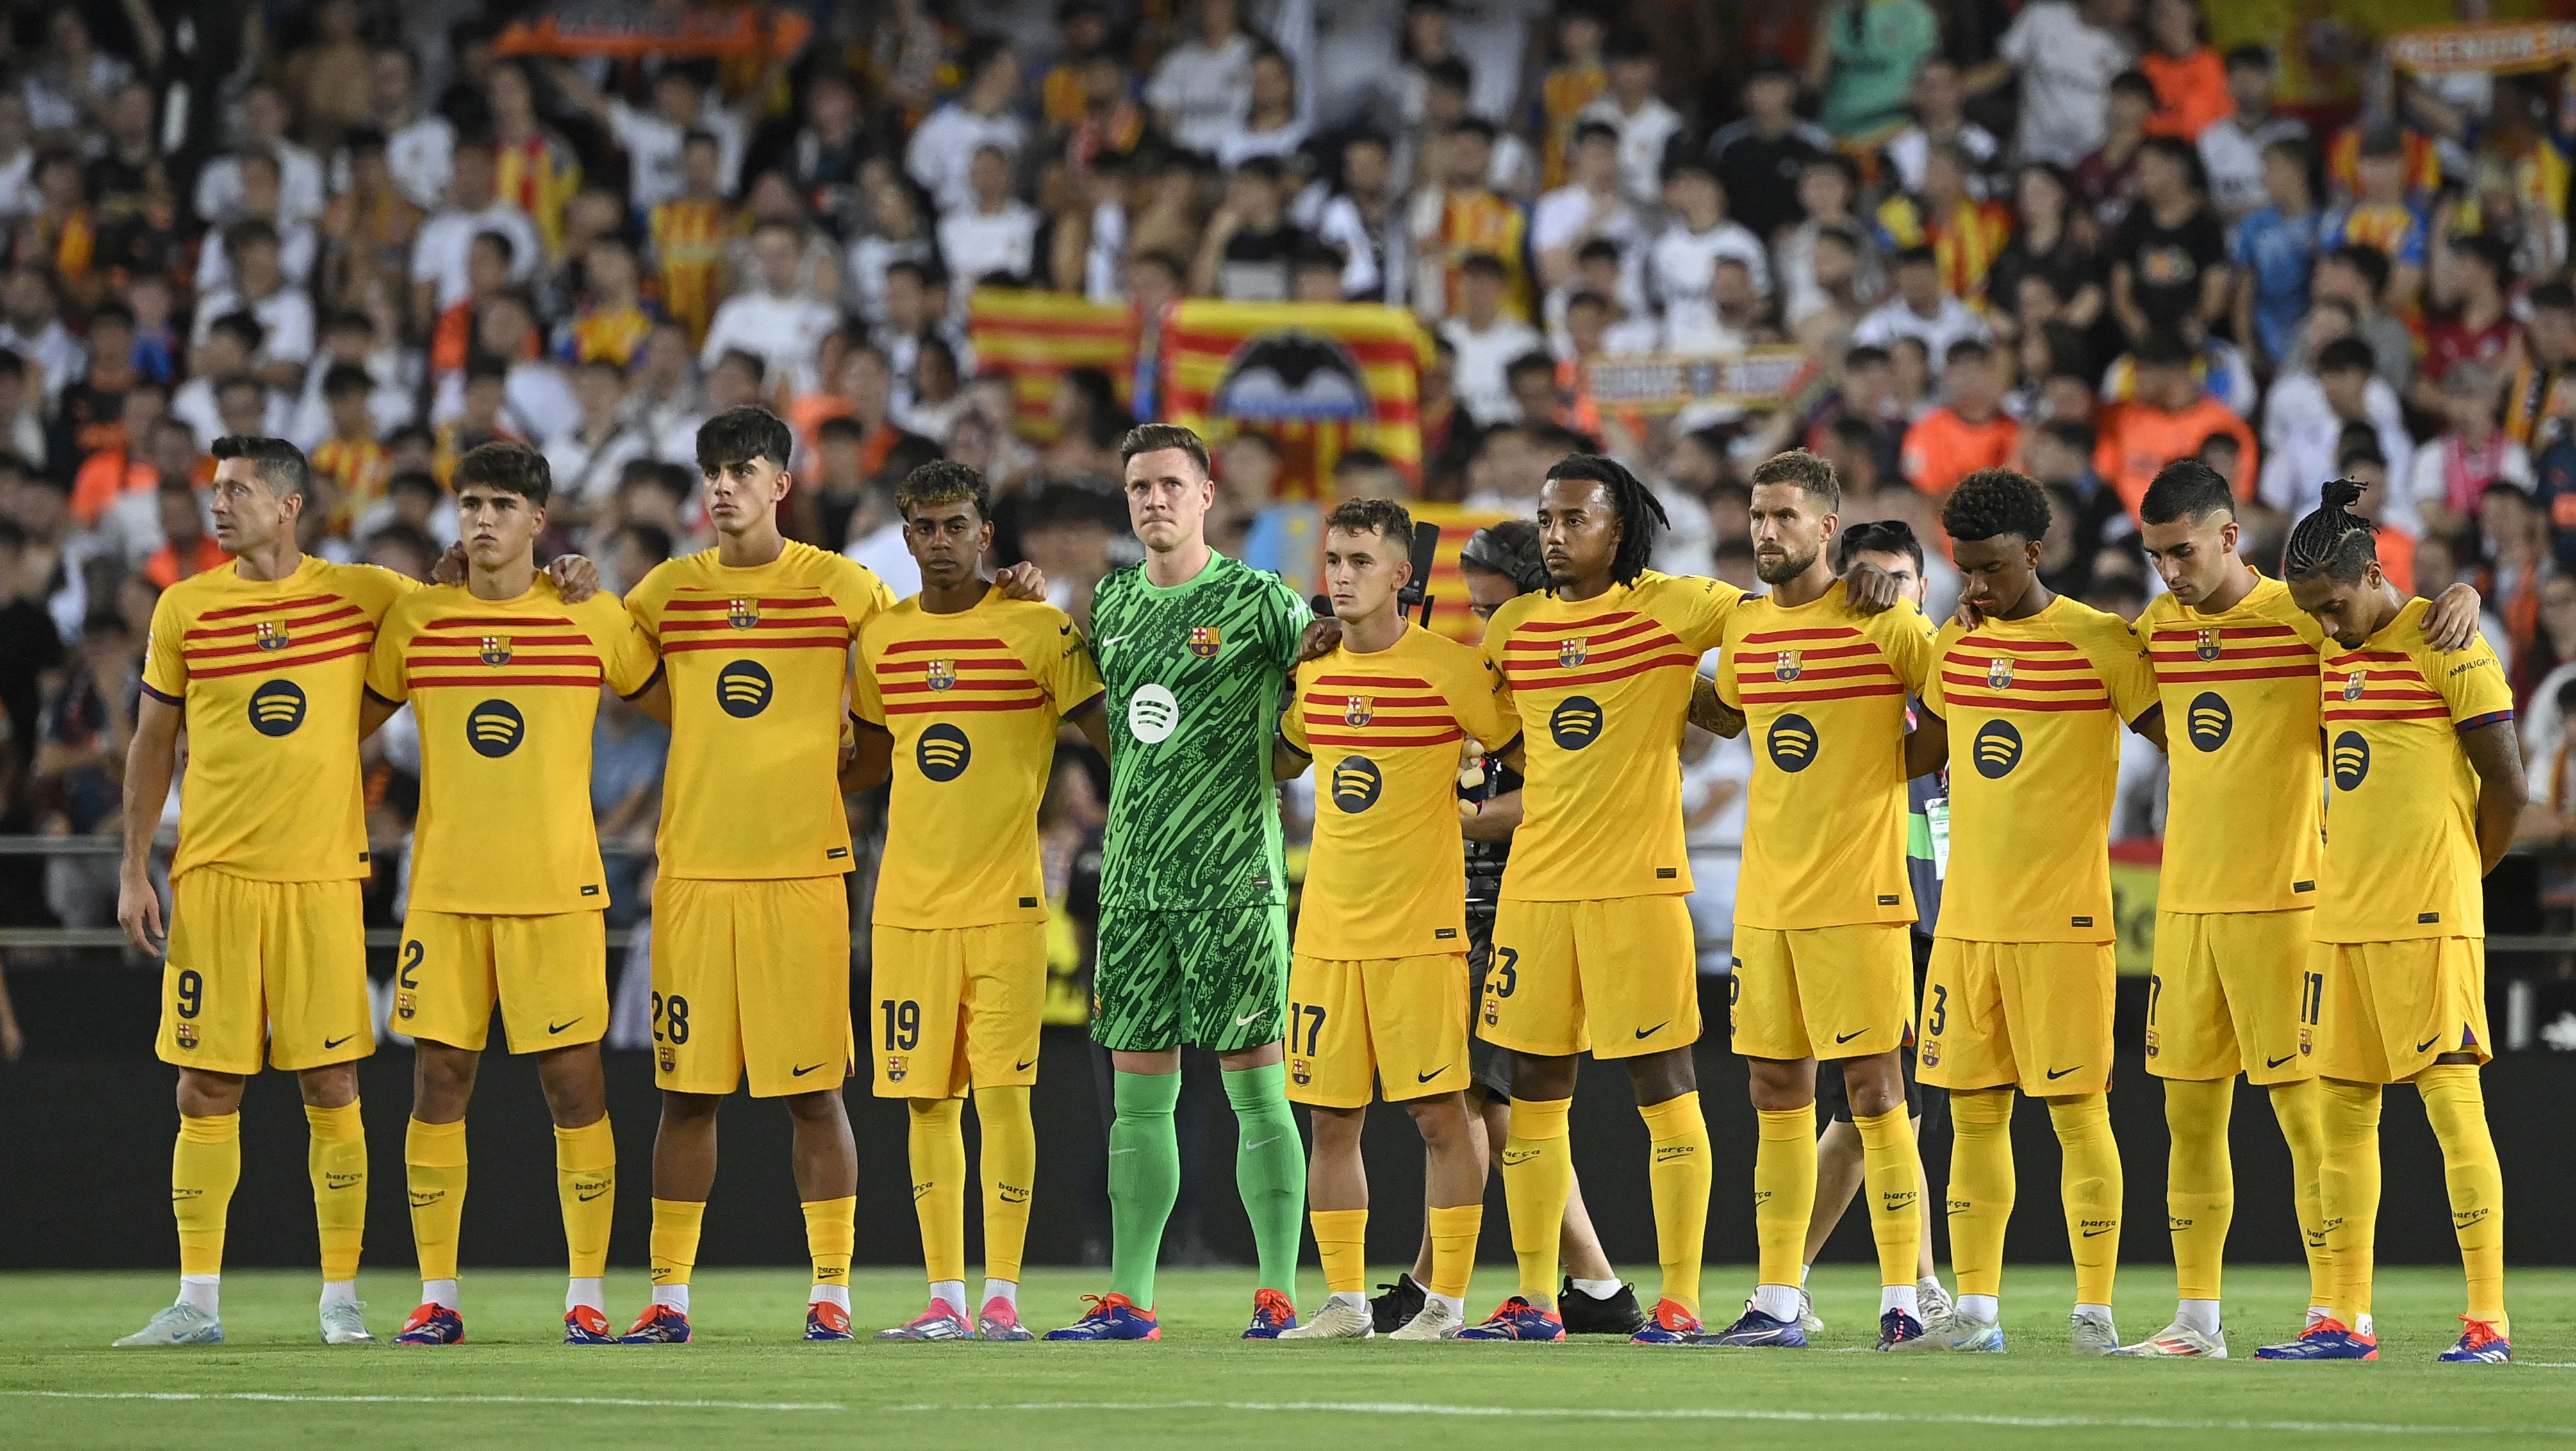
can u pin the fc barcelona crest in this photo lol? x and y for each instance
(406, 1005)
(187, 1035)
(1204, 640)
(896, 1067)
(1999, 672)
(1298, 1070)
(272, 634)
(742, 613)
(943, 674)
(1360, 710)
(1569, 653)
(496, 650)
(2205, 644)
(1788, 664)
(2353, 683)
(667, 1057)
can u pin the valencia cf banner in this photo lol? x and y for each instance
(1345, 375)
(625, 32)
(1035, 338)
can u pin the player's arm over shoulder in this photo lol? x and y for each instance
(2472, 682)
(1057, 654)
(371, 587)
(1904, 637)
(626, 653)
(856, 588)
(2119, 653)
(1695, 607)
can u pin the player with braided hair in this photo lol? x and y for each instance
(2425, 785)
(2030, 697)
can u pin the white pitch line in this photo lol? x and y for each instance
(1722, 1413)
(297, 1399)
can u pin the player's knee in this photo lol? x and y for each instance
(1442, 1119)
(442, 1082)
(1536, 1077)
(576, 1089)
(688, 1110)
(1662, 1077)
(1876, 1084)
(208, 1095)
(822, 1106)
(335, 1086)
(1781, 1084)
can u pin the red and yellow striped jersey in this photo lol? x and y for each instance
(2239, 691)
(537, 174)
(689, 240)
(269, 673)
(972, 701)
(759, 662)
(506, 692)
(360, 467)
(1822, 688)
(2401, 855)
(613, 333)
(1607, 682)
(2034, 710)
(1386, 730)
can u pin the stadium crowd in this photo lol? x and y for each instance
(2072, 237)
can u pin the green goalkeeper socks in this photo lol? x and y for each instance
(1145, 1179)
(1269, 1170)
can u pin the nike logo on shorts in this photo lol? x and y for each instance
(2055, 1074)
(1025, 1066)
(2420, 1047)
(330, 1043)
(1436, 1072)
(808, 1068)
(1247, 1020)
(552, 1028)
(2277, 1062)
(1842, 1038)
(1644, 1033)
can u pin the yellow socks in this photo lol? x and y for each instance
(2458, 1109)
(2298, 1106)
(2090, 1188)
(831, 1233)
(586, 1185)
(937, 1147)
(434, 1171)
(1453, 1248)
(1678, 1177)
(1341, 1242)
(2348, 1187)
(337, 1163)
(1010, 1164)
(1893, 1183)
(1538, 1177)
(674, 1248)
(1981, 1187)
(1784, 1193)
(204, 1167)
(2200, 1181)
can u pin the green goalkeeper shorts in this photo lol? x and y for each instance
(1216, 979)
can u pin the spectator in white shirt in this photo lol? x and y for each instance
(72, 79)
(393, 400)
(537, 403)
(1486, 340)
(995, 232)
(1645, 124)
(773, 322)
(2305, 415)
(438, 254)
(653, 139)
(942, 153)
(899, 210)
(2231, 147)
(1678, 264)
(230, 342)
(300, 194)
(2066, 53)
(1203, 86)
(31, 326)
(1938, 118)
(1590, 206)
(1271, 125)
(260, 198)
(263, 291)
(1921, 310)
(420, 148)
(588, 460)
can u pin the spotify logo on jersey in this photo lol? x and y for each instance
(277, 708)
(1996, 750)
(1575, 723)
(1152, 714)
(1792, 743)
(742, 688)
(942, 752)
(1355, 784)
(495, 728)
(2350, 760)
(2209, 721)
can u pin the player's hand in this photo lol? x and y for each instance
(2453, 621)
(575, 577)
(138, 911)
(450, 568)
(1967, 615)
(1322, 637)
(1022, 581)
(1871, 590)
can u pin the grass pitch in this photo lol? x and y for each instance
(747, 1380)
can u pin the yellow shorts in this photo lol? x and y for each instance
(1623, 965)
(2031, 1015)
(956, 1007)
(1821, 992)
(751, 978)
(2386, 1010)
(2230, 993)
(273, 969)
(1394, 1017)
(548, 974)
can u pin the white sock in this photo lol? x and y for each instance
(1780, 1302)
(2102, 1310)
(1981, 1307)
(438, 1292)
(2320, 1312)
(339, 1292)
(2200, 1315)
(200, 1291)
(1352, 1298)
(1006, 1291)
(582, 1292)
(1454, 1304)
(952, 1291)
(830, 1295)
(1803, 1272)
(1598, 1289)
(675, 1296)
(1899, 1297)
(2364, 1326)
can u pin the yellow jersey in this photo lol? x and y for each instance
(759, 661)
(972, 700)
(1609, 681)
(269, 673)
(2034, 709)
(2240, 698)
(2401, 856)
(506, 692)
(1386, 731)
(1823, 689)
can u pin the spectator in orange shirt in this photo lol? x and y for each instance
(188, 549)
(118, 468)
(488, 259)
(2190, 80)
(1969, 431)
(2170, 417)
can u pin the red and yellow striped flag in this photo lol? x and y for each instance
(1035, 338)
(1350, 372)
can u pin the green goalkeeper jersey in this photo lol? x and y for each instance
(1195, 676)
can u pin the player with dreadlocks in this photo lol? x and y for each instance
(2424, 785)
